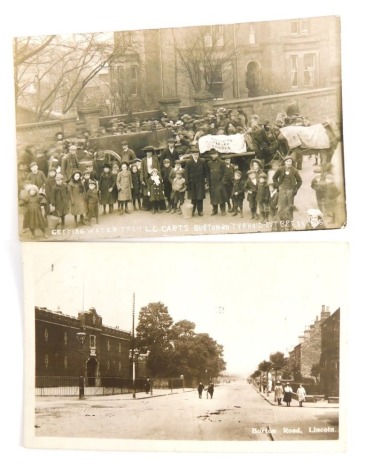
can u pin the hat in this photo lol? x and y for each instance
(259, 162)
(178, 162)
(154, 169)
(194, 148)
(34, 187)
(124, 142)
(166, 160)
(251, 172)
(72, 147)
(92, 182)
(149, 148)
(106, 165)
(263, 175)
(33, 164)
(288, 157)
(86, 172)
(116, 165)
(238, 172)
(59, 176)
(213, 152)
(171, 140)
(179, 172)
(52, 168)
(75, 172)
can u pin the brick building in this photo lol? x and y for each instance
(330, 356)
(249, 60)
(59, 353)
(308, 351)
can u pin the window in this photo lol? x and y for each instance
(294, 27)
(108, 345)
(304, 26)
(252, 34)
(217, 83)
(299, 27)
(134, 80)
(120, 347)
(214, 36)
(45, 335)
(309, 69)
(294, 71)
(65, 338)
(92, 341)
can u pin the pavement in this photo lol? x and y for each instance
(270, 398)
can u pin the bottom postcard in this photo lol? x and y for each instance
(186, 347)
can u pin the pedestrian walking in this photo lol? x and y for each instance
(200, 389)
(279, 392)
(147, 386)
(301, 394)
(288, 392)
(210, 390)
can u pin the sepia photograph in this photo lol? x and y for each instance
(201, 347)
(199, 130)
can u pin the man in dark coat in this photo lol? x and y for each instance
(148, 163)
(69, 163)
(127, 155)
(288, 181)
(195, 175)
(217, 173)
(169, 152)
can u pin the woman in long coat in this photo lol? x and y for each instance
(124, 186)
(77, 196)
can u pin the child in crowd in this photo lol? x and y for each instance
(124, 186)
(77, 197)
(332, 194)
(114, 194)
(251, 189)
(36, 176)
(178, 192)
(273, 201)
(106, 185)
(315, 220)
(60, 198)
(165, 174)
(92, 202)
(263, 197)
(319, 185)
(238, 193)
(155, 191)
(136, 187)
(86, 177)
(176, 168)
(48, 185)
(33, 217)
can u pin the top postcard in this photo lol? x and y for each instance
(220, 129)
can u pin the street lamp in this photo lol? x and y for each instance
(81, 336)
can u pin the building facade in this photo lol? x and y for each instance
(330, 356)
(105, 351)
(232, 62)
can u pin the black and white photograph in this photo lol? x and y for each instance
(199, 130)
(203, 347)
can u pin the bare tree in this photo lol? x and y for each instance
(60, 68)
(207, 54)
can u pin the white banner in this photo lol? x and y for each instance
(223, 143)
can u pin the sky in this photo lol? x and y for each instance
(254, 299)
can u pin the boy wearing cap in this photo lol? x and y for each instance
(178, 191)
(263, 197)
(165, 174)
(92, 202)
(288, 181)
(251, 189)
(36, 177)
(238, 193)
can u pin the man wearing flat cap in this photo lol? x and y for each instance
(127, 155)
(148, 163)
(69, 163)
(169, 152)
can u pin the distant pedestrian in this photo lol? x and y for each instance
(200, 389)
(210, 390)
(301, 394)
(147, 386)
(288, 392)
(279, 392)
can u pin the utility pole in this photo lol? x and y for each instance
(133, 361)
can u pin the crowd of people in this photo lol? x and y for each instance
(76, 180)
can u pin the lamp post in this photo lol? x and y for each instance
(81, 336)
